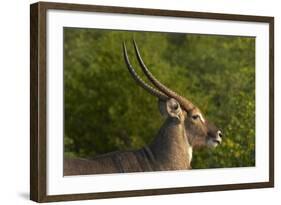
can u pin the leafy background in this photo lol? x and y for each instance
(106, 111)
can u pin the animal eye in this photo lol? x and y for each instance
(195, 117)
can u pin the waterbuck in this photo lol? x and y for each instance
(184, 128)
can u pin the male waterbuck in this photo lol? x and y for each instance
(184, 128)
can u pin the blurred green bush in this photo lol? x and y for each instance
(104, 109)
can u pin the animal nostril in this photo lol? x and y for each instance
(220, 134)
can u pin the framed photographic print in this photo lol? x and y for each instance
(133, 102)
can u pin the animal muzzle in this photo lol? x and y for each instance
(214, 139)
(218, 137)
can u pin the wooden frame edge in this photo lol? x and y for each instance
(155, 12)
(37, 102)
(271, 100)
(34, 187)
(153, 192)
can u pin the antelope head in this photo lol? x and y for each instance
(198, 130)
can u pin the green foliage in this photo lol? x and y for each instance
(106, 111)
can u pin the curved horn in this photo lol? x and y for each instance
(144, 85)
(183, 101)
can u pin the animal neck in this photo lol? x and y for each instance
(171, 148)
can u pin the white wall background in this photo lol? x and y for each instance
(14, 101)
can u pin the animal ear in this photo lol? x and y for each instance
(170, 108)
